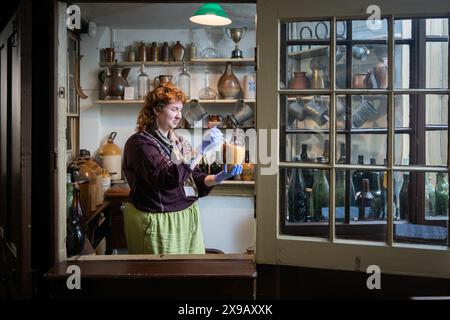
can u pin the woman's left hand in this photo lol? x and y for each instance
(224, 175)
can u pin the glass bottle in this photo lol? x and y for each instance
(193, 51)
(384, 183)
(248, 168)
(375, 188)
(143, 83)
(404, 197)
(308, 174)
(340, 181)
(106, 180)
(342, 157)
(203, 166)
(326, 147)
(297, 200)
(75, 236)
(358, 175)
(131, 54)
(207, 92)
(69, 192)
(165, 52)
(320, 192)
(430, 198)
(184, 80)
(364, 201)
(216, 166)
(441, 194)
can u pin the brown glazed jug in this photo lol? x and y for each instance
(300, 81)
(113, 85)
(178, 51)
(381, 73)
(228, 85)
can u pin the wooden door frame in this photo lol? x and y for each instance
(17, 34)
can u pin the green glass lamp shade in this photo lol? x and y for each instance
(211, 14)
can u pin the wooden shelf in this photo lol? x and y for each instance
(212, 61)
(119, 101)
(237, 182)
(216, 101)
(219, 101)
(309, 53)
(221, 61)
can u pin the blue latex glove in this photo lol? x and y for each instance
(224, 175)
(211, 139)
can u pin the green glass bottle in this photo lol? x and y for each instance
(441, 195)
(75, 235)
(297, 198)
(358, 175)
(320, 192)
(308, 174)
(430, 199)
(404, 198)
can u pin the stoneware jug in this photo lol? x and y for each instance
(228, 85)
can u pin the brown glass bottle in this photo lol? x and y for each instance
(364, 201)
(75, 234)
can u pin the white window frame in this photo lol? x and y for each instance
(275, 248)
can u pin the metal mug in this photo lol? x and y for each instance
(195, 113)
(364, 111)
(241, 115)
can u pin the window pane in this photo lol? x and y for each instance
(437, 65)
(361, 211)
(437, 27)
(402, 29)
(426, 221)
(421, 129)
(421, 61)
(365, 30)
(309, 30)
(304, 209)
(305, 123)
(307, 67)
(366, 133)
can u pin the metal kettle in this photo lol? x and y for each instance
(113, 82)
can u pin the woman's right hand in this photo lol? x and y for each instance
(211, 139)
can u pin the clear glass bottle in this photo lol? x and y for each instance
(207, 92)
(430, 199)
(143, 83)
(106, 180)
(320, 192)
(184, 80)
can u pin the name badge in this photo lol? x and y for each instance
(189, 191)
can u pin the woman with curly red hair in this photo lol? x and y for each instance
(162, 215)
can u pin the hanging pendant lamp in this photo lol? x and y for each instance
(211, 14)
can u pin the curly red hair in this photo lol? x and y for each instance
(155, 101)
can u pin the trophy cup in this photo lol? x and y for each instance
(236, 34)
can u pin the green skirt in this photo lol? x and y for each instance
(177, 232)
